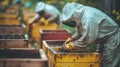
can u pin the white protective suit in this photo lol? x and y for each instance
(49, 9)
(93, 26)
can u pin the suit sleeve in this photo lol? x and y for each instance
(88, 34)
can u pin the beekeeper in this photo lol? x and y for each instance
(48, 11)
(93, 26)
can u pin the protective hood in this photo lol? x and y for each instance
(71, 10)
(40, 6)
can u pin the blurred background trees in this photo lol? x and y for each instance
(110, 7)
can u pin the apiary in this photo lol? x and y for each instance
(53, 35)
(12, 29)
(22, 57)
(13, 41)
(77, 57)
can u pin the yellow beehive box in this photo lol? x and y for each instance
(13, 9)
(5, 2)
(9, 19)
(8, 15)
(28, 16)
(10, 22)
(71, 58)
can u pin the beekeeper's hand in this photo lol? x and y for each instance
(69, 46)
(69, 40)
(30, 20)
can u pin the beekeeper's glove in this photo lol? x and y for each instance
(69, 40)
(69, 46)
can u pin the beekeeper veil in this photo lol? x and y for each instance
(40, 6)
(71, 13)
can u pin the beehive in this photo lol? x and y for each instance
(22, 57)
(13, 41)
(37, 26)
(12, 29)
(53, 35)
(73, 58)
(5, 2)
(9, 19)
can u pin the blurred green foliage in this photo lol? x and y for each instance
(60, 3)
(116, 16)
(68, 28)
